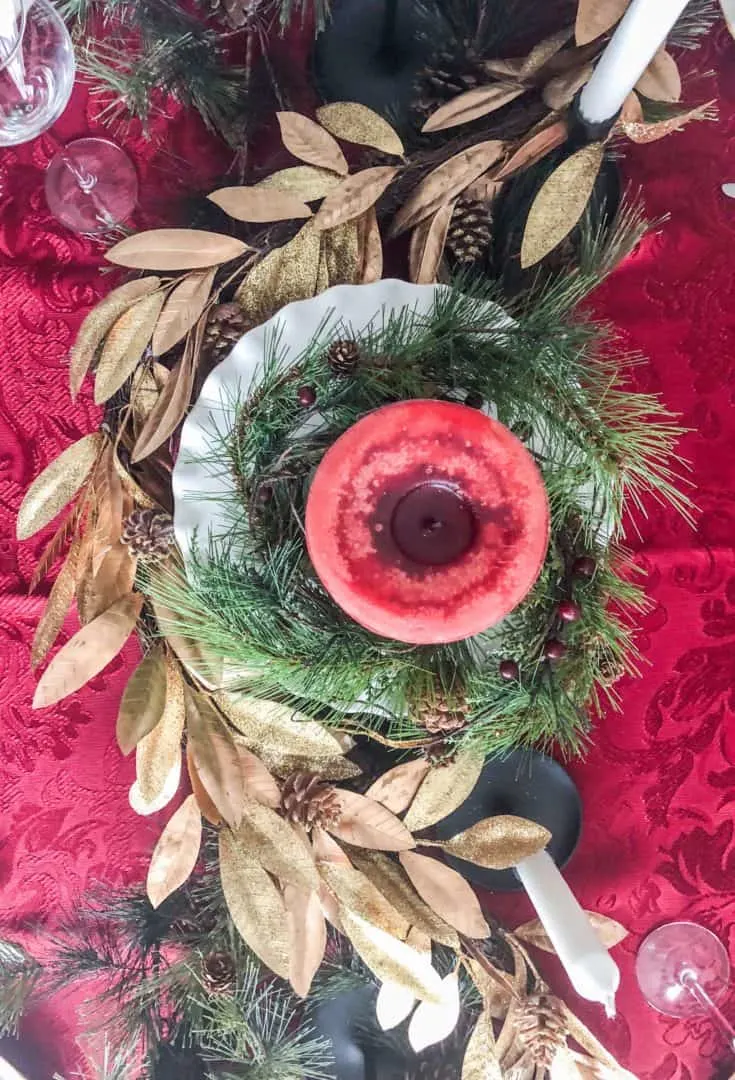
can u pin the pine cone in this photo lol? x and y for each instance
(442, 716)
(218, 972)
(307, 800)
(148, 533)
(227, 324)
(343, 357)
(541, 1028)
(470, 232)
(440, 752)
(443, 78)
(237, 13)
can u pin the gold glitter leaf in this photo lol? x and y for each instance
(307, 936)
(473, 104)
(357, 124)
(396, 788)
(559, 91)
(609, 932)
(444, 788)
(181, 311)
(640, 132)
(446, 892)
(341, 254)
(98, 323)
(431, 1023)
(354, 196)
(309, 142)
(143, 701)
(168, 790)
(88, 652)
(57, 485)
(289, 273)
(175, 249)
(57, 605)
(159, 752)
(560, 203)
(259, 204)
(216, 758)
(307, 182)
(595, 17)
(540, 54)
(254, 903)
(204, 801)
(366, 823)
(392, 959)
(444, 183)
(500, 842)
(175, 855)
(427, 245)
(277, 846)
(661, 80)
(124, 345)
(534, 149)
(355, 893)
(480, 1059)
(371, 248)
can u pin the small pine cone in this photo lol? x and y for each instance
(343, 357)
(307, 800)
(218, 972)
(148, 533)
(227, 324)
(236, 13)
(470, 231)
(443, 78)
(442, 716)
(439, 752)
(541, 1027)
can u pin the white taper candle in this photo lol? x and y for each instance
(640, 34)
(592, 971)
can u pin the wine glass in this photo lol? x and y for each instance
(683, 970)
(91, 185)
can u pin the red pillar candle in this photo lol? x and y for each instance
(427, 521)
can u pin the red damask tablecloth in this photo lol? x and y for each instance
(659, 784)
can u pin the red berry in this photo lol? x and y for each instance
(306, 396)
(554, 649)
(584, 566)
(569, 611)
(509, 670)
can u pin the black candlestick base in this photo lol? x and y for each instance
(528, 785)
(371, 52)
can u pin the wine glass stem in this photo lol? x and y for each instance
(695, 988)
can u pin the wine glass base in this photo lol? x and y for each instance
(672, 951)
(91, 186)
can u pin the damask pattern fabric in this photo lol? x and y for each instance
(659, 782)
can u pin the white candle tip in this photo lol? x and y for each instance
(729, 190)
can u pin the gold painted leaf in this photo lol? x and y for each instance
(170, 786)
(396, 788)
(366, 823)
(641, 132)
(255, 904)
(356, 893)
(444, 788)
(158, 754)
(358, 124)
(307, 182)
(427, 245)
(540, 54)
(286, 274)
(444, 183)
(473, 104)
(341, 254)
(504, 69)
(393, 1004)
(175, 249)
(143, 701)
(88, 652)
(391, 959)
(309, 142)
(58, 484)
(99, 322)
(259, 784)
(113, 581)
(446, 892)
(277, 846)
(169, 410)
(259, 204)
(181, 311)
(496, 987)
(591, 1044)
(484, 189)
(371, 249)
(216, 757)
(609, 931)
(124, 345)
(661, 80)
(559, 91)
(208, 810)
(176, 853)
(107, 499)
(354, 196)
(307, 935)
(498, 843)
(560, 203)
(535, 148)
(57, 606)
(595, 17)
(433, 1022)
(480, 1059)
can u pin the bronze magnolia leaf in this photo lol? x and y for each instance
(99, 322)
(535, 148)
(326, 849)
(158, 753)
(107, 499)
(277, 846)
(355, 893)
(143, 700)
(169, 410)
(443, 789)
(259, 204)
(444, 183)
(498, 843)
(113, 581)
(560, 203)
(259, 784)
(286, 274)
(311, 143)
(175, 249)
(392, 959)
(609, 932)
(124, 345)
(58, 484)
(595, 17)
(396, 788)
(427, 245)
(358, 124)
(181, 311)
(480, 1058)
(215, 756)
(559, 91)
(446, 892)
(176, 853)
(307, 936)
(432, 1023)
(204, 802)
(641, 132)
(255, 904)
(57, 606)
(354, 196)
(305, 182)
(371, 248)
(366, 823)
(88, 652)
(473, 104)
(661, 80)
